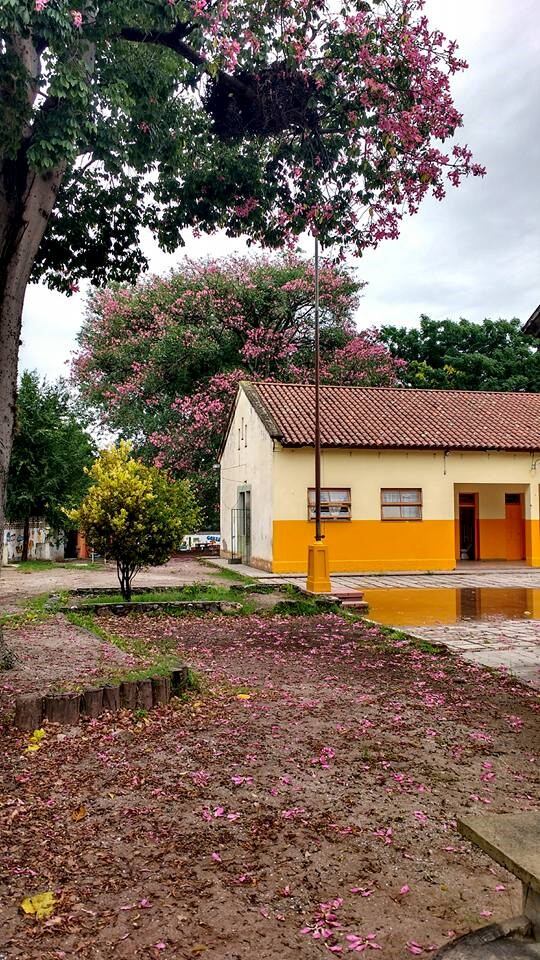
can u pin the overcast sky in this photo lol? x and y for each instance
(476, 254)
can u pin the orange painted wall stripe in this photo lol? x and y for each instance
(367, 545)
(375, 545)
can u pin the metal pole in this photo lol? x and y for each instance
(318, 533)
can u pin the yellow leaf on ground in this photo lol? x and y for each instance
(79, 814)
(34, 741)
(243, 696)
(41, 905)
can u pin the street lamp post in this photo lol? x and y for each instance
(318, 579)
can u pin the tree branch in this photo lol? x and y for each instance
(175, 41)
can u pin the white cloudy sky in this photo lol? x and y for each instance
(477, 254)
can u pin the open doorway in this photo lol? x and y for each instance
(514, 526)
(468, 526)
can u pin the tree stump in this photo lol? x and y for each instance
(161, 690)
(128, 694)
(111, 698)
(92, 702)
(144, 695)
(29, 712)
(63, 707)
(179, 680)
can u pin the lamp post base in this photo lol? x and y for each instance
(318, 578)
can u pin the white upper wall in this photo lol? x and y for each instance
(246, 463)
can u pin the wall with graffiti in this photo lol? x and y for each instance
(44, 544)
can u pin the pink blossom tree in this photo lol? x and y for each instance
(161, 360)
(264, 117)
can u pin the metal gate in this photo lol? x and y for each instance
(240, 535)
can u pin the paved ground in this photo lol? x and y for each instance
(510, 645)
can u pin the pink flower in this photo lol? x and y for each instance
(40, 5)
(77, 18)
(405, 889)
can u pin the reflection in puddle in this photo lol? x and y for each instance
(419, 607)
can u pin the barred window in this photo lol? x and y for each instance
(401, 504)
(335, 503)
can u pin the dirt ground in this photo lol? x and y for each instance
(303, 803)
(56, 655)
(16, 583)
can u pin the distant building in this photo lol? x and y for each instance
(532, 326)
(43, 543)
(412, 479)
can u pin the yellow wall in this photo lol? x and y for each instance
(368, 543)
(279, 479)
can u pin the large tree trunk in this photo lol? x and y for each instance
(26, 201)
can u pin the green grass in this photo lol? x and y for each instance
(35, 610)
(38, 566)
(187, 593)
(158, 658)
(227, 573)
(190, 593)
(305, 607)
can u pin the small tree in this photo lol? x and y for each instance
(51, 452)
(134, 513)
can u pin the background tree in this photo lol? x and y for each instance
(264, 117)
(161, 360)
(51, 450)
(133, 514)
(460, 355)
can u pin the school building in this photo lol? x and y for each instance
(411, 479)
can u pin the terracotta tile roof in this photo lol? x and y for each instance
(399, 417)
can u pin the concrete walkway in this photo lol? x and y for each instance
(498, 575)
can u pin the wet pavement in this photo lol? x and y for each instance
(497, 627)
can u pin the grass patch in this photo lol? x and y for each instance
(227, 573)
(157, 658)
(38, 566)
(193, 591)
(35, 610)
(190, 593)
(305, 607)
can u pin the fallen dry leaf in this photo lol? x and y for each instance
(40, 905)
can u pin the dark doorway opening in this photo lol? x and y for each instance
(468, 527)
(70, 545)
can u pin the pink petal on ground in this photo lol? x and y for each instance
(216, 857)
(500, 887)
(414, 948)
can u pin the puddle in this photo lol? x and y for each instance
(423, 607)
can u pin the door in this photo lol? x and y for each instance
(468, 527)
(515, 527)
(244, 525)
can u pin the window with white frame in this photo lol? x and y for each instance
(335, 503)
(401, 504)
